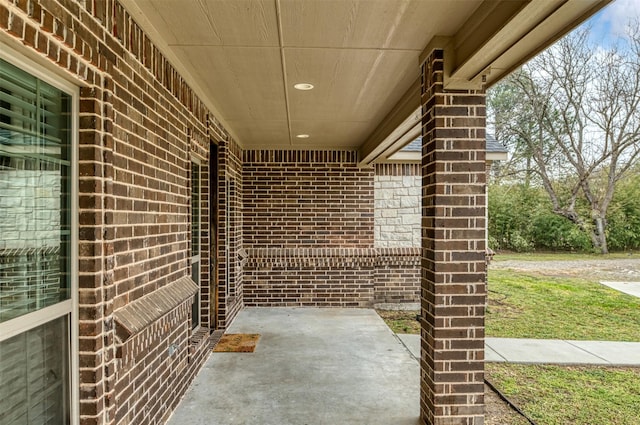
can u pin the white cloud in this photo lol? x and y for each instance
(614, 18)
(621, 10)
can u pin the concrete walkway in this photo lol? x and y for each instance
(311, 366)
(631, 288)
(550, 351)
(554, 351)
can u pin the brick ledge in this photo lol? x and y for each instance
(308, 253)
(256, 253)
(292, 256)
(136, 316)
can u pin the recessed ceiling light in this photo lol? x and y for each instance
(302, 136)
(303, 86)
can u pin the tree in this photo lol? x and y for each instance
(571, 117)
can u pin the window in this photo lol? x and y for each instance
(34, 371)
(36, 248)
(196, 209)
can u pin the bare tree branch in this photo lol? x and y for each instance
(571, 118)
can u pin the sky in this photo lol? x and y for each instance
(609, 23)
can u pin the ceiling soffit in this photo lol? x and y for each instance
(499, 37)
(243, 57)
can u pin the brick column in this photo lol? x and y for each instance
(96, 257)
(453, 275)
(108, 260)
(90, 247)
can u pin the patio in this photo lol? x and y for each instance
(196, 175)
(311, 366)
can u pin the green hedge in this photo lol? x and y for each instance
(624, 216)
(521, 219)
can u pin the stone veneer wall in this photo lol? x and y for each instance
(29, 209)
(397, 205)
(397, 232)
(30, 244)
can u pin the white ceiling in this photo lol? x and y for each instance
(244, 56)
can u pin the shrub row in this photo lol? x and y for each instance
(521, 219)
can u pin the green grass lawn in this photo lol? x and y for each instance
(555, 395)
(523, 305)
(530, 305)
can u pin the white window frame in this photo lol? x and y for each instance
(69, 307)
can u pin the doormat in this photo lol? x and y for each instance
(237, 343)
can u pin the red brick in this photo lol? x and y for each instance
(16, 25)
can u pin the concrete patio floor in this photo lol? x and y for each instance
(311, 366)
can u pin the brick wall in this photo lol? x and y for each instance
(308, 229)
(453, 277)
(299, 199)
(231, 254)
(301, 219)
(303, 277)
(139, 126)
(321, 277)
(397, 275)
(142, 392)
(308, 234)
(200, 152)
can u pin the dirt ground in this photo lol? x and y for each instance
(497, 412)
(627, 269)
